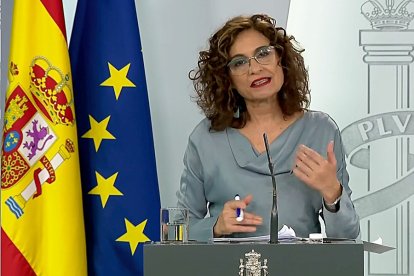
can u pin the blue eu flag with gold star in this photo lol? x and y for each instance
(120, 189)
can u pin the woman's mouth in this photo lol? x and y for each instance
(260, 82)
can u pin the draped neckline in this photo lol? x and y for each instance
(281, 148)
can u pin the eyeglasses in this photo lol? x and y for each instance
(239, 65)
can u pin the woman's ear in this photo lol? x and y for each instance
(279, 62)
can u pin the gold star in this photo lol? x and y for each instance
(134, 235)
(118, 79)
(98, 131)
(105, 188)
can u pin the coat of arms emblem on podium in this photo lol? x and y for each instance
(253, 266)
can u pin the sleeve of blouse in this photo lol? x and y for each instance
(191, 195)
(345, 222)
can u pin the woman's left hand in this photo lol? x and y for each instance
(317, 172)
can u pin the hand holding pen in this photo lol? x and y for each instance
(239, 211)
(231, 221)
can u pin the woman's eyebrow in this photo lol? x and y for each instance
(255, 51)
(260, 47)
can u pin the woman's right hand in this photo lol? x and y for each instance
(227, 224)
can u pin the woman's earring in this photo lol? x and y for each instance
(285, 96)
(236, 113)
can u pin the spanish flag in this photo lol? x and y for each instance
(42, 227)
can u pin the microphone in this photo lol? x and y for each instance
(274, 220)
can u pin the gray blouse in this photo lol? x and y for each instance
(220, 164)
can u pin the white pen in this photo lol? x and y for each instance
(239, 211)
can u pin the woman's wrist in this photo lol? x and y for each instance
(332, 197)
(216, 233)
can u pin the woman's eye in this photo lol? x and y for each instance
(262, 54)
(238, 62)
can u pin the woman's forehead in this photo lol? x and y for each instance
(247, 42)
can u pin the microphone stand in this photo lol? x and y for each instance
(274, 220)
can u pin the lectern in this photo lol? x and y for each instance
(339, 258)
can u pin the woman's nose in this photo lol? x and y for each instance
(254, 66)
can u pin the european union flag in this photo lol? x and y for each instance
(119, 179)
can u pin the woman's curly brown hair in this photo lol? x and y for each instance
(215, 95)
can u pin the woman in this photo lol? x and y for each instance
(252, 80)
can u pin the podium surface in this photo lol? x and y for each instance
(342, 258)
